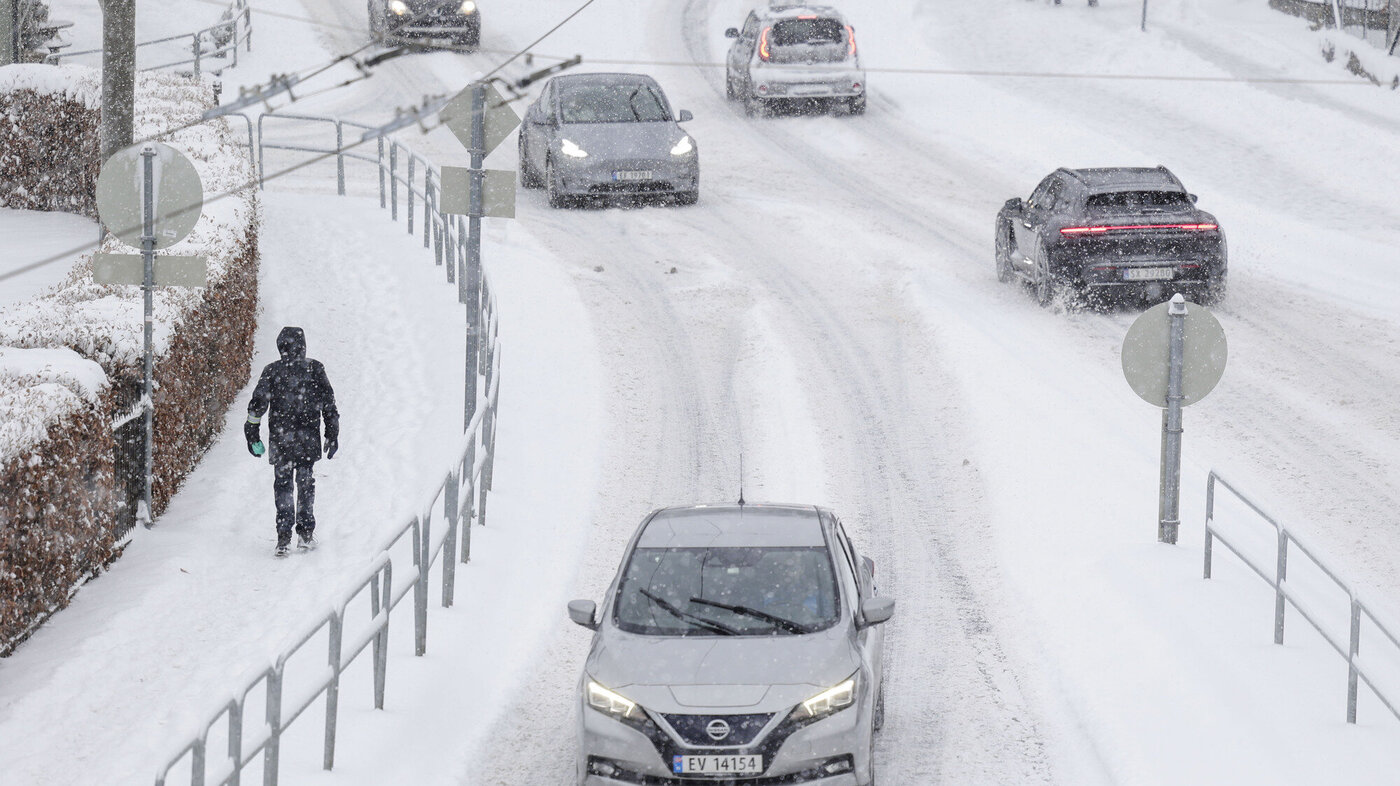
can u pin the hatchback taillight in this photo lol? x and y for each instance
(1095, 230)
(764, 53)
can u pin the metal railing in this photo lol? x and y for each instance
(461, 495)
(218, 41)
(1285, 594)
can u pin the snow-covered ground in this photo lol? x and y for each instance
(829, 311)
(32, 236)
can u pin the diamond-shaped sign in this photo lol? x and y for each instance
(500, 117)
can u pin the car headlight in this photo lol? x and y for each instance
(683, 147)
(468, 7)
(830, 700)
(572, 150)
(610, 703)
(398, 7)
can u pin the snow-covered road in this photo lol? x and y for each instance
(829, 312)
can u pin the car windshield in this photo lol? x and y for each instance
(613, 104)
(749, 591)
(1127, 201)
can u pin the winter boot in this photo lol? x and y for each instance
(306, 542)
(284, 543)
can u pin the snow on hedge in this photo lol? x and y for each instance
(103, 323)
(39, 386)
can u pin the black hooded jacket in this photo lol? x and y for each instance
(297, 391)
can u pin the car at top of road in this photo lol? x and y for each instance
(1099, 233)
(795, 55)
(430, 22)
(598, 135)
(738, 644)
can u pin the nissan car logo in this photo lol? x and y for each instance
(718, 729)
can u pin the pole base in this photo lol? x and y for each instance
(1166, 531)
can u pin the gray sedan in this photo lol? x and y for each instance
(594, 135)
(738, 644)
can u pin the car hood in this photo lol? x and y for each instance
(606, 140)
(731, 673)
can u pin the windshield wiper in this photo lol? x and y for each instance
(693, 619)
(786, 624)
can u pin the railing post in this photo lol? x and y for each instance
(274, 726)
(247, 27)
(333, 689)
(197, 760)
(420, 588)
(467, 513)
(1351, 659)
(428, 201)
(262, 154)
(409, 196)
(379, 166)
(381, 597)
(235, 740)
(339, 158)
(1210, 520)
(449, 546)
(196, 54)
(1280, 576)
(394, 181)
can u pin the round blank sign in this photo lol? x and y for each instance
(1145, 354)
(178, 194)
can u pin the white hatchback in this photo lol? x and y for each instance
(798, 56)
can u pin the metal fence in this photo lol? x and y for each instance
(1284, 594)
(415, 547)
(219, 41)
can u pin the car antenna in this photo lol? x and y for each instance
(741, 479)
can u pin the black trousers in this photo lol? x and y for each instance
(294, 510)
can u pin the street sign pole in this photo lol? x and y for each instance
(1169, 507)
(148, 287)
(1144, 16)
(472, 277)
(9, 32)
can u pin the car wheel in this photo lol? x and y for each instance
(729, 92)
(1042, 280)
(688, 197)
(754, 107)
(1005, 246)
(551, 185)
(879, 720)
(529, 178)
(870, 774)
(855, 106)
(1215, 291)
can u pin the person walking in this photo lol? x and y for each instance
(299, 396)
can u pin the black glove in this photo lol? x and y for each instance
(332, 445)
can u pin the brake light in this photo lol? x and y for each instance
(1099, 230)
(807, 16)
(764, 53)
(851, 34)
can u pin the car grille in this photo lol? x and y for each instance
(693, 729)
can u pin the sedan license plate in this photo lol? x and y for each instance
(632, 174)
(717, 765)
(1148, 273)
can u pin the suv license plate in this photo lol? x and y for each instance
(717, 765)
(1148, 273)
(633, 174)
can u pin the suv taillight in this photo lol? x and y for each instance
(764, 53)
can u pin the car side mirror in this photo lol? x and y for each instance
(684, 116)
(1192, 197)
(1014, 205)
(583, 613)
(875, 610)
(732, 32)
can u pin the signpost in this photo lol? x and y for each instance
(9, 32)
(481, 119)
(1173, 356)
(150, 197)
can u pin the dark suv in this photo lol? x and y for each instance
(1098, 233)
(426, 22)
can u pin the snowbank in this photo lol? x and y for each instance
(79, 473)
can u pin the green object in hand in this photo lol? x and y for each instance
(258, 449)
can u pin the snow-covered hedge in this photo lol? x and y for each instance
(61, 448)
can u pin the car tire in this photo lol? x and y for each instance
(551, 187)
(878, 721)
(870, 779)
(1215, 291)
(1044, 283)
(529, 178)
(1005, 245)
(855, 106)
(754, 107)
(730, 93)
(686, 198)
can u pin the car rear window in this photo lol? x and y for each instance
(713, 591)
(1137, 200)
(791, 32)
(612, 104)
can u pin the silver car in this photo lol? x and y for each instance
(795, 55)
(594, 135)
(738, 644)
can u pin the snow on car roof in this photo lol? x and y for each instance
(791, 10)
(733, 526)
(1118, 178)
